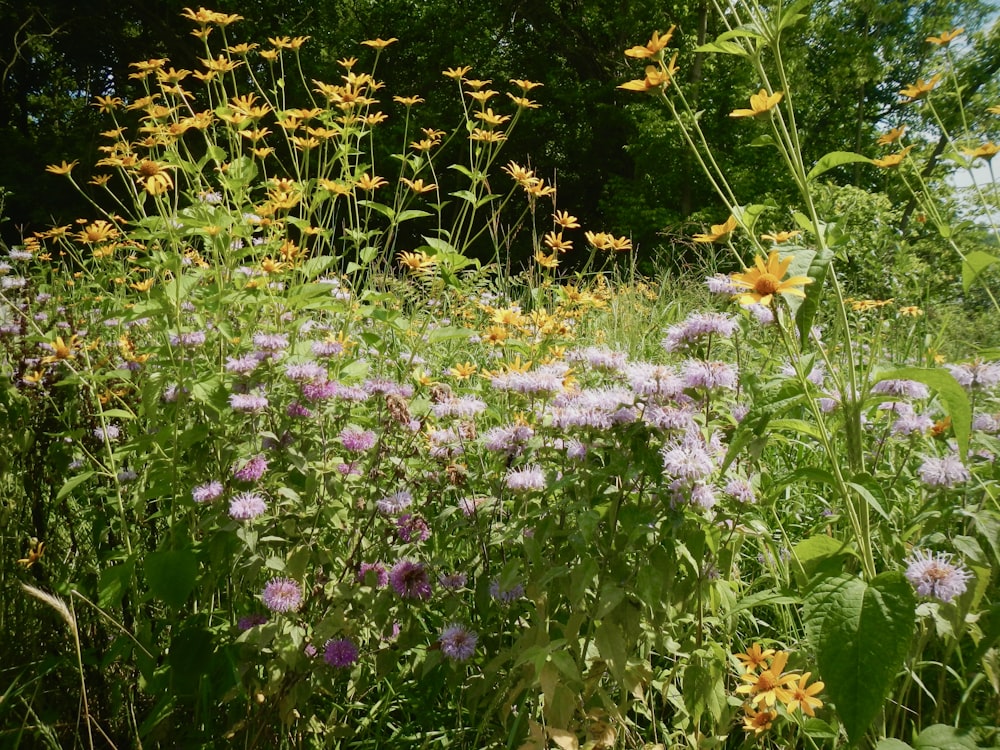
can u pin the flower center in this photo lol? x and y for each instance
(767, 284)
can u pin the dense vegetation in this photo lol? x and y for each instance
(435, 392)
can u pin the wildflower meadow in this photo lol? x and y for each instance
(310, 439)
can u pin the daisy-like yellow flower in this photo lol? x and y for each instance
(653, 47)
(416, 262)
(755, 658)
(767, 687)
(760, 103)
(494, 335)
(463, 370)
(407, 101)
(892, 136)
(619, 244)
(63, 168)
(143, 286)
(767, 279)
(476, 84)
(987, 151)
(916, 90)
(780, 237)
(800, 696)
(98, 231)
(599, 240)
(946, 37)
(555, 241)
(758, 722)
(524, 85)
(547, 261)
(491, 118)
(523, 102)
(892, 160)
(108, 104)
(418, 186)
(368, 183)
(457, 73)
(482, 96)
(718, 232)
(911, 311)
(565, 220)
(61, 350)
(379, 44)
(656, 78)
(34, 553)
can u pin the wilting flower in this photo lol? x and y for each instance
(759, 104)
(282, 595)
(935, 575)
(766, 279)
(457, 642)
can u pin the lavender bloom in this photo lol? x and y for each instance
(385, 387)
(246, 506)
(525, 479)
(205, 493)
(510, 439)
(647, 379)
(669, 418)
(599, 358)
(506, 596)
(330, 348)
(320, 391)
(395, 503)
(720, 283)
(411, 528)
(110, 433)
(936, 576)
(453, 581)
(763, 313)
(381, 574)
(546, 379)
(282, 595)
(297, 410)
(305, 372)
(687, 460)
(270, 344)
(910, 423)
(575, 450)
(127, 475)
(249, 621)
(740, 490)
(708, 375)
(357, 440)
(901, 388)
(445, 443)
(252, 470)
(409, 580)
(188, 339)
(464, 407)
(698, 326)
(458, 643)
(242, 365)
(976, 375)
(340, 653)
(987, 423)
(248, 402)
(469, 505)
(703, 496)
(943, 472)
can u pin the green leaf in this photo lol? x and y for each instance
(944, 737)
(113, 582)
(953, 397)
(611, 646)
(817, 554)
(792, 16)
(171, 575)
(805, 309)
(862, 633)
(722, 48)
(974, 264)
(380, 208)
(868, 494)
(891, 744)
(73, 482)
(834, 159)
(410, 213)
(764, 598)
(704, 683)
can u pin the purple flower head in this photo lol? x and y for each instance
(599, 358)
(321, 390)
(458, 643)
(506, 596)
(252, 470)
(703, 496)
(242, 365)
(330, 348)
(282, 595)
(976, 375)
(463, 407)
(910, 423)
(249, 621)
(763, 313)
(445, 443)
(687, 460)
(205, 493)
(411, 528)
(509, 439)
(381, 574)
(357, 440)
(469, 505)
(453, 581)
(246, 506)
(395, 503)
(988, 423)
(648, 379)
(936, 576)
(546, 379)
(305, 372)
(740, 490)
(720, 283)
(270, 344)
(340, 653)
(901, 388)
(943, 472)
(708, 375)
(188, 339)
(409, 580)
(298, 411)
(525, 478)
(248, 402)
(110, 433)
(697, 327)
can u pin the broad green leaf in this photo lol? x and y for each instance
(862, 633)
(944, 737)
(974, 264)
(113, 582)
(704, 688)
(891, 744)
(868, 494)
(953, 397)
(834, 159)
(171, 575)
(748, 215)
(724, 48)
(410, 213)
(792, 15)
(611, 645)
(73, 482)
(805, 309)
(440, 246)
(380, 208)
(819, 553)
(770, 597)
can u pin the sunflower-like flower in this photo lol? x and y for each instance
(718, 233)
(766, 279)
(769, 686)
(759, 104)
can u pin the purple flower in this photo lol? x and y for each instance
(687, 460)
(381, 574)
(411, 528)
(282, 595)
(698, 326)
(740, 490)
(458, 643)
(395, 503)
(902, 388)
(708, 375)
(246, 506)
(110, 433)
(943, 472)
(506, 596)
(252, 470)
(525, 479)
(270, 343)
(599, 357)
(330, 348)
(409, 580)
(340, 653)
(546, 379)
(242, 365)
(320, 390)
(207, 492)
(306, 372)
(464, 407)
(648, 379)
(936, 576)
(509, 439)
(453, 581)
(703, 496)
(297, 410)
(249, 621)
(248, 402)
(910, 423)
(976, 374)
(188, 339)
(721, 284)
(356, 439)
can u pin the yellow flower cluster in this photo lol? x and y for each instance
(766, 683)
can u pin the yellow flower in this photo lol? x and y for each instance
(476, 84)
(765, 280)
(754, 658)
(98, 231)
(555, 241)
(563, 219)
(780, 237)
(525, 86)
(800, 696)
(599, 240)
(718, 233)
(620, 244)
(768, 686)
(417, 186)
(921, 87)
(63, 168)
(463, 371)
(520, 174)
(655, 78)
(491, 118)
(546, 261)
(523, 102)
(407, 101)
(456, 73)
(416, 262)
(379, 44)
(987, 151)
(892, 160)
(892, 136)
(760, 103)
(911, 311)
(269, 266)
(34, 553)
(945, 38)
(61, 350)
(653, 47)
(482, 96)
(368, 183)
(108, 104)
(758, 721)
